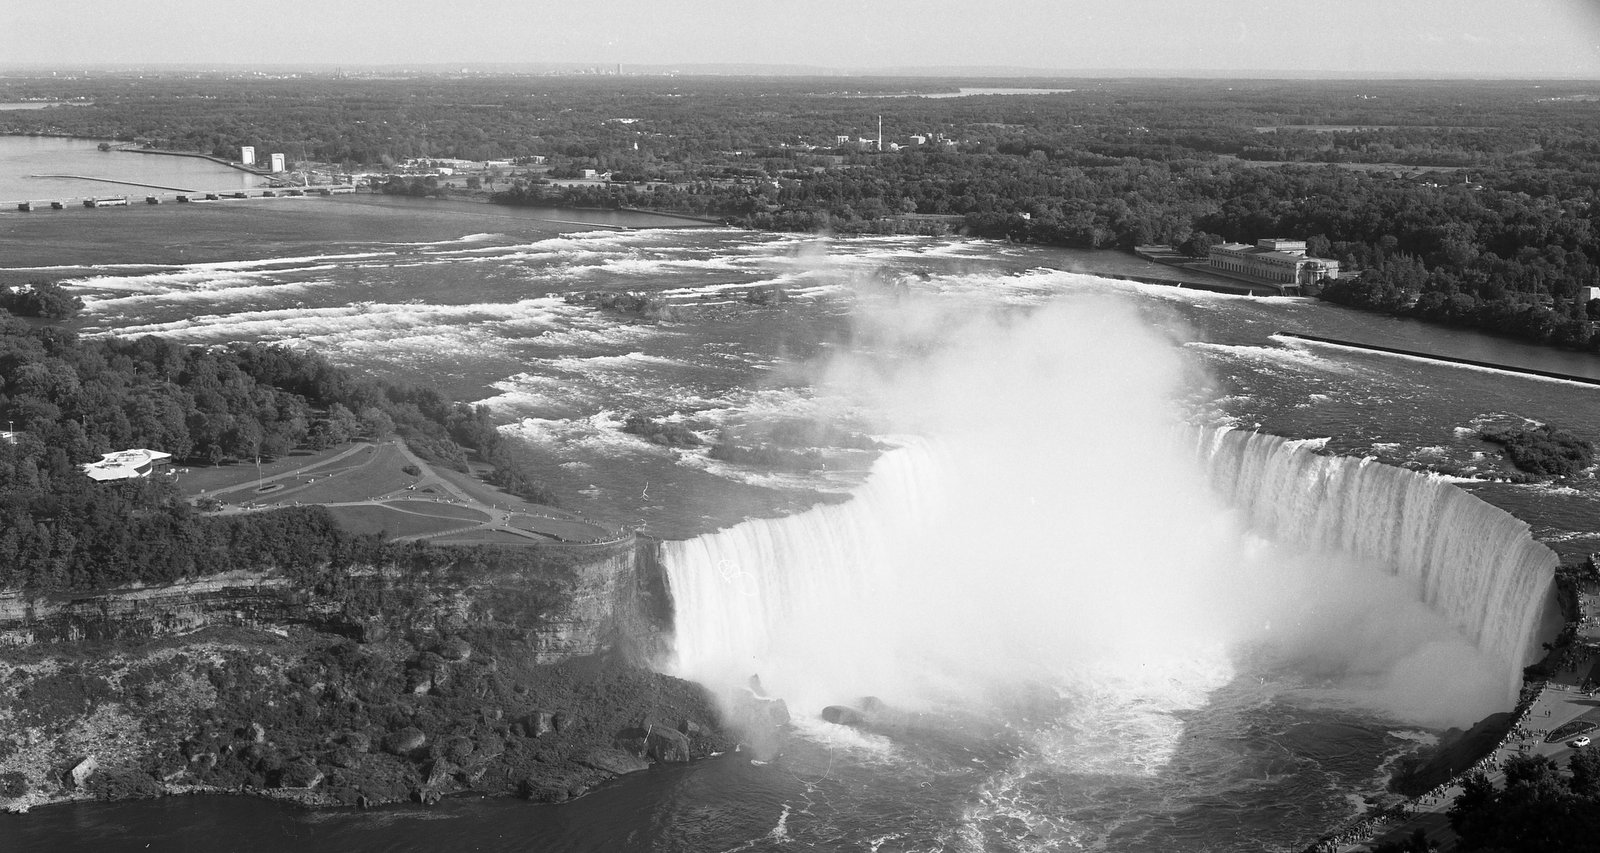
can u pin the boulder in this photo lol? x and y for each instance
(404, 741)
(455, 649)
(666, 745)
(300, 773)
(538, 724)
(83, 770)
(753, 710)
(614, 761)
(458, 748)
(344, 756)
(843, 715)
(358, 741)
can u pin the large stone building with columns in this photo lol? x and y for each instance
(1274, 260)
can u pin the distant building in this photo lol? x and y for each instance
(9, 436)
(1275, 260)
(277, 163)
(247, 155)
(1585, 294)
(127, 465)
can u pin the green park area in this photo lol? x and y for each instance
(382, 487)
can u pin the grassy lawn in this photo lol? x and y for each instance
(442, 510)
(365, 475)
(563, 528)
(211, 478)
(378, 519)
(482, 537)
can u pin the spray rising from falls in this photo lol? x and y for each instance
(830, 603)
(1057, 526)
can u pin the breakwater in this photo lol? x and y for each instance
(116, 181)
(1447, 359)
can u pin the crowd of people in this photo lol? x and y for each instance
(1365, 828)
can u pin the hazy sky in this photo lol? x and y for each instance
(1446, 37)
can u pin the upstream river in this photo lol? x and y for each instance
(45, 168)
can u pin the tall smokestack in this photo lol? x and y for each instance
(880, 134)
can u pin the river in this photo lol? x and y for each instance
(31, 168)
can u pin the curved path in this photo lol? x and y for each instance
(430, 486)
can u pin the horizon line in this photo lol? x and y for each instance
(751, 69)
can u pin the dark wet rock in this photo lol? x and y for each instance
(455, 649)
(666, 745)
(843, 715)
(616, 761)
(752, 710)
(300, 773)
(537, 724)
(405, 741)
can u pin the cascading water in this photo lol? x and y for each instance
(805, 593)
(1471, 562)
(812, 602)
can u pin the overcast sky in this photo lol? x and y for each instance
(1485, 38)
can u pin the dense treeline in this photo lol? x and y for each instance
(70, 400)
(45, 299)
(1539, 810)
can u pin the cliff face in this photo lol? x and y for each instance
(511, 670)
(564, 601)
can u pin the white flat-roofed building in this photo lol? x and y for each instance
(1273, 259)
(127, 465)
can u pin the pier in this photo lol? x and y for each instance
(165, 194)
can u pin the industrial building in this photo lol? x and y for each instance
(1273, 259)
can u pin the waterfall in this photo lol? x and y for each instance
(844, 599)
(798, 592)
(1470, 561)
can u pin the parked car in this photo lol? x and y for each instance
(1579, 742)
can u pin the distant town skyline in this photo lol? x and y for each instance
(1421, 38)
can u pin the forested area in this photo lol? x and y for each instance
(1538, 809)
(71, 399)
